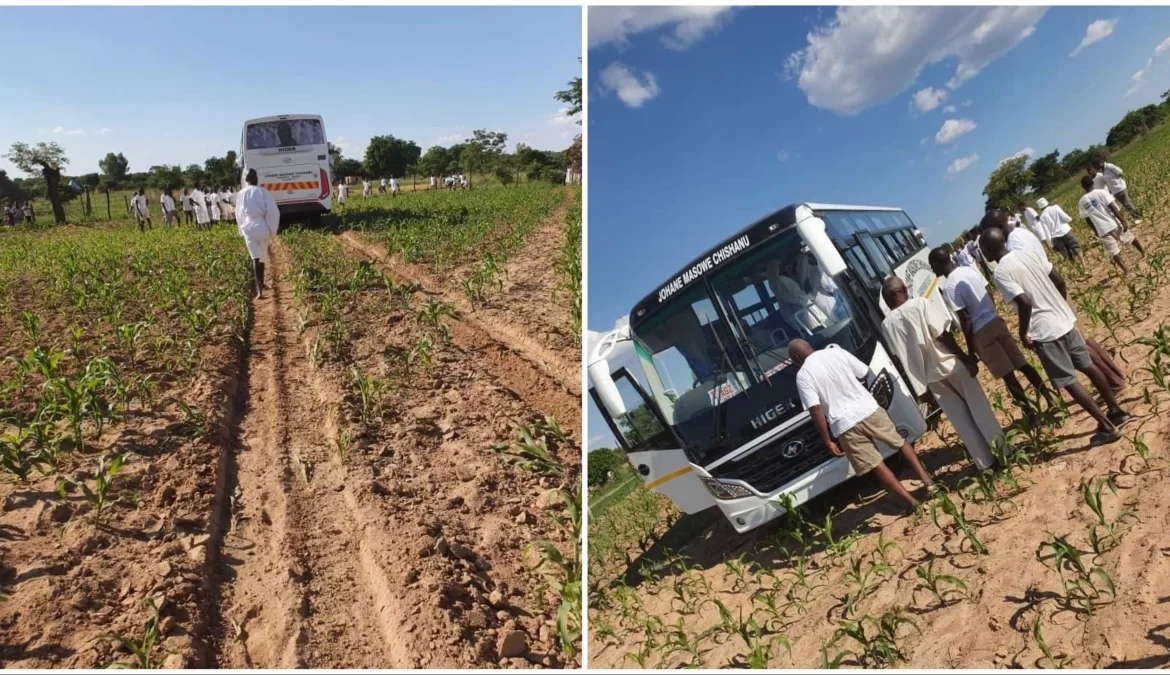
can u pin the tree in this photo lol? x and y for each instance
(90, 180)
(437, 161)
(9, 190)
(222, 170)
(164, 177)
(194, 175)
(47, 159)
(1135, 123)
(1075, 161)
(345, 168)
(1047, 172)
(602, 462)
(114, 169)
(1007, 184)
(571, 97)
(574, 154)
(390, 157)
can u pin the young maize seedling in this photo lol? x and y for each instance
(1058, 661)
(741, 573)
(942, 503)
(16, 458)
(563, 572)
(530, 452)
(1084, 585)
(681, 641)
(879, 649)
(1141, 449)
(1092, 492)
(31, 324)
(836, 548)
(882, 551)
(98, 496)
(939, 585)
(141, 648)
(861, 575)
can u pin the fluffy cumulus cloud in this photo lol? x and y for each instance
(864, 56)
(1026, 152)
(687, 25)
(1139, 78)
(633, 89)
(562, 117)
(1096, 32)
(959, 165)
(952, 129)
(929, 98)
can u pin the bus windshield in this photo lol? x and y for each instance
(716, 354)
(284, 133)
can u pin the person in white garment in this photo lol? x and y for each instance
(1032, 221)
(365, 188)
(168, 208)
(342, 192)
(259, 221)
(141, 211)
(213, 206)
(1048, 326)
(393, 186)
(846, 415)
(382, 186)
(432, 184)
(916, 332)
(199, 204)
(188, 209)
(1058, 226)
(1019, 239)
(985, 331)
(225, 201)
(1111, 177)
(1099, 208)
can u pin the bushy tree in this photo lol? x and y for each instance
(603, 461)
(437, 161)
(9, 190)
(1136, 123)
(1047, 172)
(114, 169)
(1007, 185)
(390, 157)
(47, 159)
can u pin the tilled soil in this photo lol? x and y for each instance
(1009, 587)
(267, 549)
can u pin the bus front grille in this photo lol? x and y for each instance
(767, 469)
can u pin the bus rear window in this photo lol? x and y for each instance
(284, 133)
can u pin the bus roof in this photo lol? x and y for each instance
(758, 232)
(277, 118)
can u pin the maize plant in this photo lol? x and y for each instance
(98, 494)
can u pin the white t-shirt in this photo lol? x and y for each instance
(912, 332)
(383, 182)
(186, 199)
(829, 378)
(342, 191)
(393, 183)
(168, 203)
(1030, 217)
(1024, 272)
(1094, 205)
(138, 205)
(1113, 178)
(965, 288)
(1022, 239)
(963, 259)
(1055, 221)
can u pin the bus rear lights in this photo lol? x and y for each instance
(722, 490)
(326, 189)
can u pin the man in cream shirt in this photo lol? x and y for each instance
(916, 332)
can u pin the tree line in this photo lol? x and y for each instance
(1018, 179)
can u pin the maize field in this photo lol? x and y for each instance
(1056, 561)
(363, 469)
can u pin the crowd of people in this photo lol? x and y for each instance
(1012, 249)
(16, 213)
(202, 206)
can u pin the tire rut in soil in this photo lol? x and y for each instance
(300, 583)
(528, 370)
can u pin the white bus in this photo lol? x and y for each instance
(290, 154)
(715, 419)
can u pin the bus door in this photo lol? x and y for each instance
(652, 448)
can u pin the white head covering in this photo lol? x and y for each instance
(1042, 203)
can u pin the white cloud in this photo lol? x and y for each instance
(1026, 152)
(961, 164)
(948, 110)
(952, 129)
(928, 99)
(68, 132)
(615, 25)
(103, 131)
(1097, 31)
(563, 117)
(632, 90)
(1138, 79)
(451, 139)
(966, 103)
(783, 156)
(865, 56)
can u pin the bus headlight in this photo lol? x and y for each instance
(722, 490)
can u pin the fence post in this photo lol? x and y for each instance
(108, 216)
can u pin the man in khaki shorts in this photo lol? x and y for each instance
(986, 332)
(848, 417)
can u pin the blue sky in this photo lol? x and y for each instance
(174, 85)
(702, 120)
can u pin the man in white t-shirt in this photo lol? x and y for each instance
(1099, 209)
(168, 208)
(342, 192)
(365, 188)
(847, 416)
(393, 186)
(1018, 238)
(1048, 325)
(382, 186)
(141, 211)
(199, 203)
(1058, 226)
(1111, 177)
(1031, 219)
(985, 331)
(188, 209)
(916, 332)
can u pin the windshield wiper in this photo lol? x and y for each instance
(719, 413)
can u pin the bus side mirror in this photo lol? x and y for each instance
(602, 379)
(812, 232)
